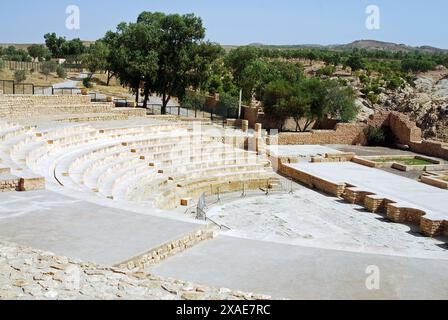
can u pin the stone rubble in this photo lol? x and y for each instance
(30, 274)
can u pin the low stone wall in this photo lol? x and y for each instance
(30, 274)
(344, 133)
(334, 189)
(167, 250)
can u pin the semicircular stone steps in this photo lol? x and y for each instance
(157, 163)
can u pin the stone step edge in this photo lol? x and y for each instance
(169, 249)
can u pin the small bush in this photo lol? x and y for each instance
(48, 67)
(373, 97)
(2, 64)
(87, 83)
(60, 71)
(20, 76)
(375, 136)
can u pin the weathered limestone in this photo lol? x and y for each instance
(245, 126)
(31, 274)
(9, 183)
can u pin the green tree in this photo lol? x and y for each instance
(227, 106)
(48, 67)
(72, 50)
(60, 71)
(193, 101)
(54, 44)
(238, 59)
(96, 57)
(355, 62)
(37, 52)
(133, 56)
(275, 102)
(339, 101)
(178, 48)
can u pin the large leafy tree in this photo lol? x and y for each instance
(162, 54)
(309, 100)
(54, 44)
(38, 52)
(96, 57)
(178, 52)
(133, 55)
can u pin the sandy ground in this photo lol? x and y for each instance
(308, 218)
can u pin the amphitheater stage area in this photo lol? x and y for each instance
(294, 272)
(405, 192)
(83, 230)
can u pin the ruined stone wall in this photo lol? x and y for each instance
(403, 129)
(344, 133)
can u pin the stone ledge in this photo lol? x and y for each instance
(167, 250)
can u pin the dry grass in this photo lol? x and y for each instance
(114, 89)
(35, 78)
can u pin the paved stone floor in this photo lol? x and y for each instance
(312, 219)
(287, 271)
(78, 229)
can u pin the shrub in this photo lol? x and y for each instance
(326, 71)
(375, 136)
(49, 67)
(61, 72)
(193, 101)
(2, 64)
(20, 76)
(87, 83)
(227, 106)
(373, 97)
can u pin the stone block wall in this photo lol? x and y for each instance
(29, 105)
(344, 133)
(156, 255)
(334, 189)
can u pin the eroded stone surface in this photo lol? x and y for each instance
(31, 274)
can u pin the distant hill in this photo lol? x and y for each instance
(359, 44)
(389, 46)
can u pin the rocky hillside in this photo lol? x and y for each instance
(426, 102)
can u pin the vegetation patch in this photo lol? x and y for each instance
(407, 162)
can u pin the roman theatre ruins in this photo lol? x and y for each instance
(167, 207)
